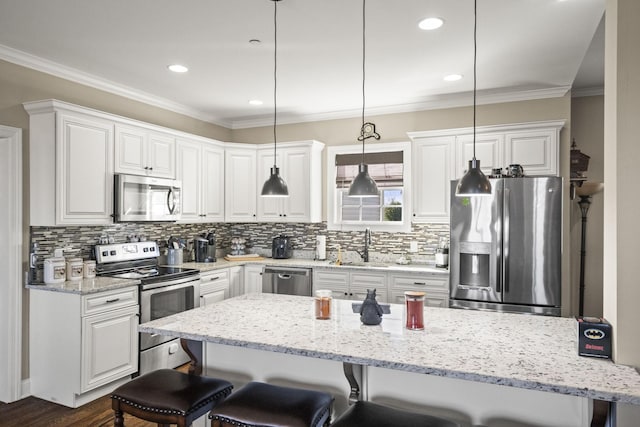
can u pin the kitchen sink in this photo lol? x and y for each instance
(365, 264)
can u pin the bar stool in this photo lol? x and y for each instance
(367, 414)
(168, 397)
(259, 405)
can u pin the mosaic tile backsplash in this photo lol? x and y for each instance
(79, 240)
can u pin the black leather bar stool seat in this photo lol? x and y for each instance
(368, 414)
(168, 397)
(265, 405)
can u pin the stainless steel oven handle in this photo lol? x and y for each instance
(171, 284)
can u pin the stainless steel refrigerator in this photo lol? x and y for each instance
(506, 249)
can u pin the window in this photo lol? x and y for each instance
(389, 166)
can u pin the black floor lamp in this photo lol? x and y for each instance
(585, 191)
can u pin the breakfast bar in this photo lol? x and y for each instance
(485, 365)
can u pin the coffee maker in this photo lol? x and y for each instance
(201, 246)
(211, 247)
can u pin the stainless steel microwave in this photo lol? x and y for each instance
(144, 198)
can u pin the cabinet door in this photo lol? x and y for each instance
(270, 209)
(212, 179)
(360, 282)
(109, 347)
(433, 170)
(240, 185)
(161, 157)
(189, 172)
(335, 281)
(535, 150)
(488, 151)
(212, 297)
(131, 150)
(296, 172)
(84, 178)
(236, 281)
(252, 279)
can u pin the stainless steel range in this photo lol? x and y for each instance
(163, 291)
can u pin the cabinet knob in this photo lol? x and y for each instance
(146, 168)
(150, 168)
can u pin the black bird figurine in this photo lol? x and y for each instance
(370, 311)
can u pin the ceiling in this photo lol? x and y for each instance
(527, 49)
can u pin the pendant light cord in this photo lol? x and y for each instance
(475, 48)
(275, 76)
(364, 3)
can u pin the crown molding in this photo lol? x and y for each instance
(587, 91)
(433, 103)
(27, 60)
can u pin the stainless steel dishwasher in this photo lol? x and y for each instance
(286, 280)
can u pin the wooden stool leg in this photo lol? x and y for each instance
(119, 418)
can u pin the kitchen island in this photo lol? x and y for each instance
(484, 364)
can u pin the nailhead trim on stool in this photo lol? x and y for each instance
(167, 396)
(265, 405)
(367, 414)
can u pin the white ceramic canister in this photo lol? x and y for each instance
(89, 269)
(54, 270)
(75, 269)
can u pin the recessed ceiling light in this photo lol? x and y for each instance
(177, 68)
(452, 77)
(255, 102)
(430, 23)
(255, 42)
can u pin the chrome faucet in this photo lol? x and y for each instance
(367, 241)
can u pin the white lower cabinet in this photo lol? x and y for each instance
(82, 346)
(351, 284)
(436, 288)
(236, 281)
(214, 286)
(253, 278)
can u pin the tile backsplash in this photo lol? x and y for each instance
(79, 240)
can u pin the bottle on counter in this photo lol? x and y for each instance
(442, 253)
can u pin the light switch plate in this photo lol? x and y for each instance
(413, 246)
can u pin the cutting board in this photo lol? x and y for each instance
(245, 257)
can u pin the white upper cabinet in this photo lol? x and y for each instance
(70, 165)
(443, 155)
(300, 167)
(489, 150)
(433, 165)
(240, 183)
(200, 167)
(140, 151)
(247, 167)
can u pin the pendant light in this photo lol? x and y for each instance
(275, 185)
(474, 182)
(363, 185)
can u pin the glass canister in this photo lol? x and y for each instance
(414, 309)
(323, 304)
(89, 269)
(75, 268)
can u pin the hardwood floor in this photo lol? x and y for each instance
(34, 412)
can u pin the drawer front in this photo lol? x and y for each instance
(373, 280)
(109, 300)
(419, 282)
(215, 280)
(331, 277)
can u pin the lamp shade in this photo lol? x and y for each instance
(363, 185)
(275, 185)
(474, 182)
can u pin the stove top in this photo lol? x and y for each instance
(138, 260)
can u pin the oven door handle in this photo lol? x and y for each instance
(171, 285)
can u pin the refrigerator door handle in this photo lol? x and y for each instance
(505, 240)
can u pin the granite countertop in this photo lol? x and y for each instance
(86, 286)
(531, 352)
(310, 263)
(100, 284)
